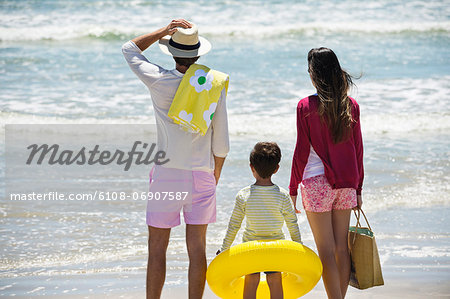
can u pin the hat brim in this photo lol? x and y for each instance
(205, 47)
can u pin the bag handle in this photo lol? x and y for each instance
(358, 223)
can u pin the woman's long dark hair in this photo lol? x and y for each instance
(332, 84)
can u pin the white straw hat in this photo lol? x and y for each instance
(185, 43)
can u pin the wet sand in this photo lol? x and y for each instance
(399, 283)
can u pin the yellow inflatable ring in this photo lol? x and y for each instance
(301, 268)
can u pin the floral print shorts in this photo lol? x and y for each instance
(318, 196)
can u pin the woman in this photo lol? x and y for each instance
(328, 165)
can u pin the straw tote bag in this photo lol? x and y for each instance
(365, 262)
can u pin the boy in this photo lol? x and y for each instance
(266, 207)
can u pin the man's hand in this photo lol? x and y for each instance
(294, 201)
(146, 40)
(217, 176)
(359, 202)
(218, 164)
(172, 27)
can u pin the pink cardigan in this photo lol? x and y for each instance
(343, 162)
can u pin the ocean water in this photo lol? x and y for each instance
(61, 62)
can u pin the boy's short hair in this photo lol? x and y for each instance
(265, 157)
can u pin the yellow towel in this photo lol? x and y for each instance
(196, 99)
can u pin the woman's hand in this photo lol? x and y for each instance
(172, 27)
(294, 201)
(359, 202)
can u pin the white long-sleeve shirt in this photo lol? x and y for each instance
(266, 208)
(190, 151)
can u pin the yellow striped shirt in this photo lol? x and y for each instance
(266, 208)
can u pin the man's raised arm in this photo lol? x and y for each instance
(146, 40)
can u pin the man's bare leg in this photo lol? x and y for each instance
(158, 239)
(196, 246)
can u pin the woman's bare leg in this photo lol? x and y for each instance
(341, 221)
(322, 228)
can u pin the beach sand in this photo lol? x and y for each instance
(399, 283)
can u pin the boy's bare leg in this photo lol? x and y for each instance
(158, 239)
(274, 280)
(251, 285)
(196, 246)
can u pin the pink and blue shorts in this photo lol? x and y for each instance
(318, 196)
(172, 190)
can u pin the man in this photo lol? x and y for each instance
(201, 155)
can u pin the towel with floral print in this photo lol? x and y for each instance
(196, 98)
